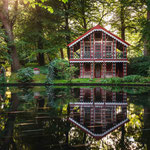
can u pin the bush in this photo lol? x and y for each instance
(25, 75)
(60, 69)
(145, 80)
(70, 72)
(139, 66)
(132, 78)
(149, 72)
(114, 80)
(2, 75)
(60, 66)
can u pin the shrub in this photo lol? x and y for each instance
(149, 72)
(114, 80)
(132, 78)
(70, 72)
(2, 75)
(25, 75)
(60, 69)
(145, 80)
(139, 66)
(60, 66)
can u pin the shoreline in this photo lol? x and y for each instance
(72, 84)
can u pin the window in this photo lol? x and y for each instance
(97, 47)
(87, 50)
(108, 50)
(97, 50)
(87, 47)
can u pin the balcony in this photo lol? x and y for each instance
(98, 55)
(87, 54)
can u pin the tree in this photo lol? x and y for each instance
(8, 22)
(146, 31)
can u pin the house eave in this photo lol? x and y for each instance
(111, 35)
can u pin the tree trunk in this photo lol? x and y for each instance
(62, 53)
(40, 56)
(41, 59)
(83, 14)
(8, 27)
(122, 18)
(146, 50)
(67, 7)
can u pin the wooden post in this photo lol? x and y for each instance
(92, 70)
(71, 52)
(102, 46)
(113, 48)
(93, 45)
(114, 96)
(81, 70)
(114, 69)
(82, 48)
(104, 70)
(124, 97)
(123, 51)
(124, 69)
(116, 48)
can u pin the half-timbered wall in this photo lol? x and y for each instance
(104, 45)
(114, 49)
(71, 52)
(92, 45)
(82, 48)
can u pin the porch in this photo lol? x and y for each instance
(101, 70)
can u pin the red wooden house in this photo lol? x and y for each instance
(99, 54)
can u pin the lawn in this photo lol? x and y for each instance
(41, 78)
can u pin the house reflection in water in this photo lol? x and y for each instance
(99, 112)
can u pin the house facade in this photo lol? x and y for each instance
(99, 54)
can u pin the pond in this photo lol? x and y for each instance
(43, 118)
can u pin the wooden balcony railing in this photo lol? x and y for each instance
(98, 55)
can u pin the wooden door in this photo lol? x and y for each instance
(97, 70)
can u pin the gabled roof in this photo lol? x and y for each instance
(98, 28)
(97, 135)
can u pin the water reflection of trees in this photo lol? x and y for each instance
(32, 127)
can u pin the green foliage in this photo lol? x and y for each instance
(60, 69)
(132, 78)
(25, 75)
(43, 69)
(2, 75)
(126, 79)
(70, 72)
(149, 72)
(139, 66)
(50, 75)
(145, 24)
(60, 66)
(145, 80)
(115, 80)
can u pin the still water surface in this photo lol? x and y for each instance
(43, 118)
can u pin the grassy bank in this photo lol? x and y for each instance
(126, 80)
